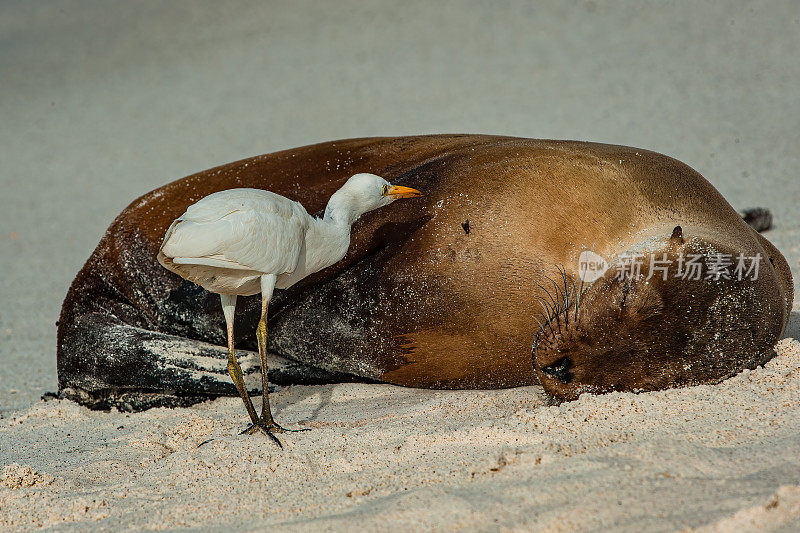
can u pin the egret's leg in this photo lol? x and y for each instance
(265, 423)
(228, 309)
(261, 335)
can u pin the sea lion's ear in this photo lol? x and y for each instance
(677, 235)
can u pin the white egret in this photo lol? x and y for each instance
(243, 241)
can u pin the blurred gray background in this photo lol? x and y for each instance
(102, 101)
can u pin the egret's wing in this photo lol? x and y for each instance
(244, 229)
(216, 205)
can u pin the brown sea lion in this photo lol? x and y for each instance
(455, 290)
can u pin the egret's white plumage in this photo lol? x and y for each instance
(245, 241)
(227, 240)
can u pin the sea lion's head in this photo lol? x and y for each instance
(693, 311)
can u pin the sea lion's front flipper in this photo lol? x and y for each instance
(133, 369)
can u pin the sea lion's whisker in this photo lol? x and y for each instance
(541, 326)
(549, 322)
(578, 301)
(547, 293)
(547, 307)
(566, 295)
(557, 305)
(552, 307)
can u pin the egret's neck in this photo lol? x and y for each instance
(326, 244)
(331, 234)
(328, 238)
(343, 209)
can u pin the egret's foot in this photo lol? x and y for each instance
(270, 428)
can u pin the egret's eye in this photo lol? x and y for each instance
(385, 190)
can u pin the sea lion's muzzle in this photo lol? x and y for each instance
(700, 312)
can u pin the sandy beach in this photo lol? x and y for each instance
(101, 103)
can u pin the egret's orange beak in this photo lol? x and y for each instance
(398, 191)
